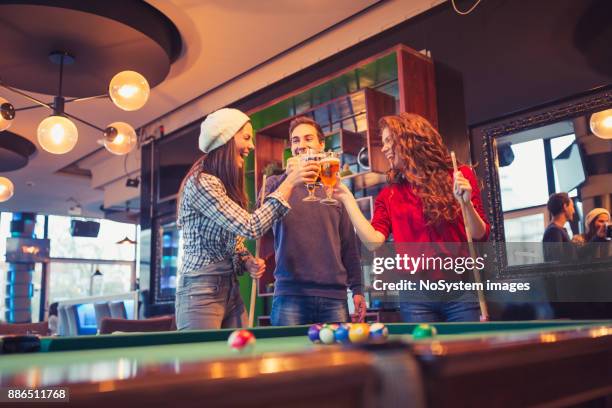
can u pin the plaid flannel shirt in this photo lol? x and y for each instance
(214, 226)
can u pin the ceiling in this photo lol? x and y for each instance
(221, 38)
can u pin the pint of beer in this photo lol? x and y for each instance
(330, 166)
(305, 158)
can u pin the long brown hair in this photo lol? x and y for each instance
(221, 163)
(428, 165)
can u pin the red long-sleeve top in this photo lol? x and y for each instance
(399, 210)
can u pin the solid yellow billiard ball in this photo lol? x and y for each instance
(359, 333)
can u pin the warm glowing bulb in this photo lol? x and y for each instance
(6, 189)
(129, 90)
(7, 114)
(601, 124)
(57, 134)
(119, 138)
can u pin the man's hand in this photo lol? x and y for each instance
(255, 267)
(292, 163)
(360, 307)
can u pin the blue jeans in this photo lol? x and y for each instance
(209, 302)
(290, 310)
(420, 312)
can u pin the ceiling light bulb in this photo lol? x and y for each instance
(119, 138)
(57, 134)
(7, 114)
(6, 189)
(129, 90)
(601, 124)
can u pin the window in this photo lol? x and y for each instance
(73, 280)
(528, 226)
(524, 183)
(104, 246)
(72, 276)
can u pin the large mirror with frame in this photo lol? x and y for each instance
(526, 157)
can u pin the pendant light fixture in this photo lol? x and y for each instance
(601, 124)
(58, 134)
(6, 189)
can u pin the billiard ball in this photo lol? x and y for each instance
(359, 333)
(424, 331)
(313, 333)
(327, 335)
(332, 326)
(342, 333)
(378, 332)
(241, 340)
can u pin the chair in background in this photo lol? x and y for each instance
(73, 320)
(156, 324)
(41, 328)
(102, 310)
(117, 310)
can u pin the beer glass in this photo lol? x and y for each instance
(330, 166)
(305, 158)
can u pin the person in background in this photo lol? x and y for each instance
(596, 223)
(212, 214)
(561, 209)
(315, 249)
(596, 227)
(53, 319)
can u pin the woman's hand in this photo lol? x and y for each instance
(360, 307)
(342, 192)
(255, 267)
(462, 189)
(306, 174)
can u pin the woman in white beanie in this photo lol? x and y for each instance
(596, 222)
(212, 212)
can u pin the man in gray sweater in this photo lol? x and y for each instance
(315, 249)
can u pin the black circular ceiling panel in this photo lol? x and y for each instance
(105, 38)
(15, 151)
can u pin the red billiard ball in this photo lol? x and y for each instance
(241, 340)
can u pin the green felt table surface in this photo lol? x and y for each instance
(166, 347)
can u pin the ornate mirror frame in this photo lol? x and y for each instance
(485, 135)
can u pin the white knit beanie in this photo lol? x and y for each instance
(219, 127)
(593, 214)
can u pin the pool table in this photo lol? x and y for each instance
(552, 363)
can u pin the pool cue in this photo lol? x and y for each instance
(255, 282)
(484, 312)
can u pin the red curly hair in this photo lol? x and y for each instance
(428, 165)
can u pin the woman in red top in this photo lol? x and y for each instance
(421, 205)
